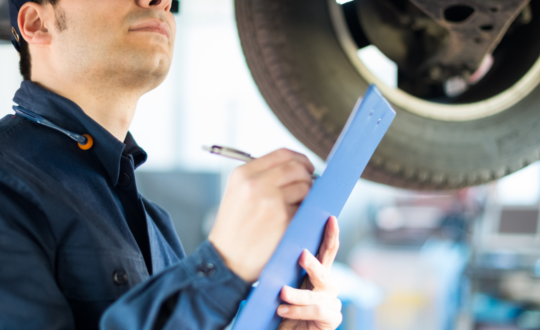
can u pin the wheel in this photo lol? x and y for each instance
(303, 56)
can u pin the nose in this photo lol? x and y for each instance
(156, 4)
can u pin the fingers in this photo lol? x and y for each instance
(321, 304)
(317, 273)
(295, 193)
(278, 157)
(330, 245)
(287, 173)
(306, 298)
(317, 313)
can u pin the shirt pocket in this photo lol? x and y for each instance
(90, 275)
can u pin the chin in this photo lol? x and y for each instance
(146, 67)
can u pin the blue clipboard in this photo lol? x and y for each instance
(361, 135)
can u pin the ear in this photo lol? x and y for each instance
(32, 24)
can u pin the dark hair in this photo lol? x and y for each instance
(25, 64)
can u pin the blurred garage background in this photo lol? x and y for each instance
(466, 259)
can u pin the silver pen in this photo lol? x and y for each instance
(236, 154)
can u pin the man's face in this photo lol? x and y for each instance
(130, 40)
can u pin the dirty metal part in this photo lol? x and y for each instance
(403, 33)
(475, 28)
(520, 75)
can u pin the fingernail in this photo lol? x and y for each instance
(283, 310)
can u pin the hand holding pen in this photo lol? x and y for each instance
(236, 154)
(260, 200)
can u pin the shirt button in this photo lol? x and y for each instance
(206, 269)
(124, 180)
(120, 277)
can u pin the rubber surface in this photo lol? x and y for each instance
(307, 80)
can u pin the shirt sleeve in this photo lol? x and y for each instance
(200, 292)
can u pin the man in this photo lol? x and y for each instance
(79, 247)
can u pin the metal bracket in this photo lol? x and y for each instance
(475, 26)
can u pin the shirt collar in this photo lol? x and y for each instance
(68, 115)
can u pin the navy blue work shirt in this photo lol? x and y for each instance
(80, 248)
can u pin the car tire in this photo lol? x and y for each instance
(305, 76)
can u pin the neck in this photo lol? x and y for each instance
(103, 101)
